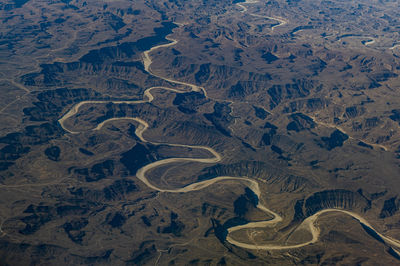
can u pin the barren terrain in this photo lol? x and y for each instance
(207, 133)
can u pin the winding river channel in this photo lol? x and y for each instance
(280, 20)
(308, 224)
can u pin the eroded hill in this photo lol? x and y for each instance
(299, 97)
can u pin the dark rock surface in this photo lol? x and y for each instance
(273, 175)
(278, 93)
(336, 139)
(338, 198)
(188, 102)
(118, 190)
(138, 156)
(53, 153)
(245, 202)
(221, 118)
(300, 122)
(260, 112)
(74, 228)
(97, 171)
(390, 207)
(176, 226)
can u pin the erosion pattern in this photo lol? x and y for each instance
(308, 223)
(180, 132)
